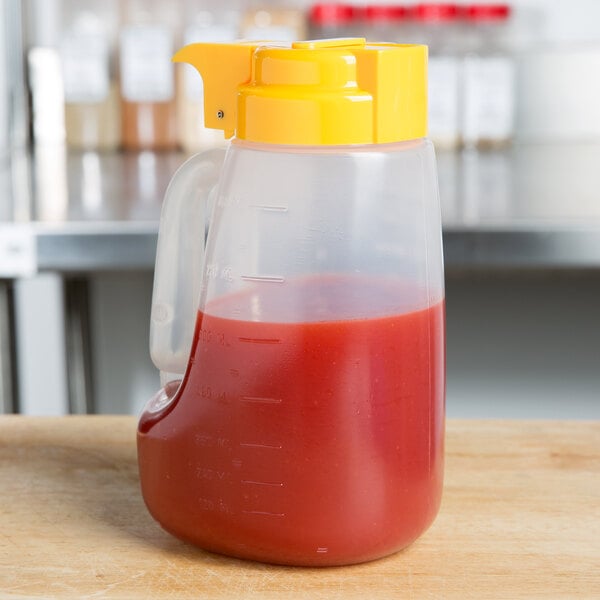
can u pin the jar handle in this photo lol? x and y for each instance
(179, 262)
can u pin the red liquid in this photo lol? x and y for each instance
(313, 443)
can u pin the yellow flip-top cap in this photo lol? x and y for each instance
(326, 92)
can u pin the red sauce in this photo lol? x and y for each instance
(311, 443)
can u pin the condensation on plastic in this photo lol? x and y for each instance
(180, 260)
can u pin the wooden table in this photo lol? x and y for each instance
(520, 519)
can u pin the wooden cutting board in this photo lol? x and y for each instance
(520, 519)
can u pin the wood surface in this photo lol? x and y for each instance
(520, 519)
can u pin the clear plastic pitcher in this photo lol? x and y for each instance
(301, 348)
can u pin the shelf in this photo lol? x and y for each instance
(527, 207)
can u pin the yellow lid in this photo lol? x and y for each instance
(326, 92)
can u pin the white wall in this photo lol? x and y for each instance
(560, 21)
(558, 86)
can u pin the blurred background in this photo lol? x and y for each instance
(95, 119)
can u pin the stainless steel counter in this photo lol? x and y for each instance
(528, 207)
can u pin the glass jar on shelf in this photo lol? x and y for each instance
(488, 105)
(87, 52)
(273, 20)
(204, 23)
(438, 26)
(44, 71)
(385, 22)
(334, 20)
(147, 42)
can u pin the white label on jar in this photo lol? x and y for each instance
(443, 99)
(488, 98)
(215, 33)
(85, 67)
(146, 67)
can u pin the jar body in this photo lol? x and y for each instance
(308, 428)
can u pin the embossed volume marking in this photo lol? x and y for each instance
(260, 400)
(322, 550)
(263, 278)
(263, 512)
(272, 208)
(251, 445)
(267, 483)
(259, 340)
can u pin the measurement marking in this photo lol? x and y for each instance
(263, 512)
(250, 445)
(259, 340)
(261, 400)
(322, 550)
(274, 484)
(266, 207)
(264, 278)
(234, 372)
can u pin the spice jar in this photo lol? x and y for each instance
(438, 27)
(147, 75)
(87, 51)
(488, 78)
